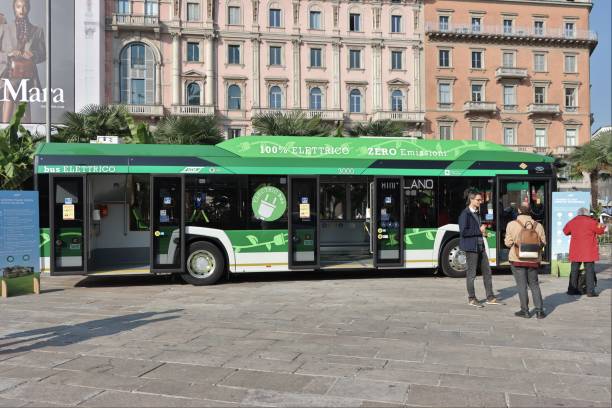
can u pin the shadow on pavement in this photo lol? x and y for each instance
(128, 280)
(75, 333)
(329, 275)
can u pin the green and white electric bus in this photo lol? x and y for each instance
(272, 203)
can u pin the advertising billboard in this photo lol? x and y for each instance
(565, 206)
(23, 55)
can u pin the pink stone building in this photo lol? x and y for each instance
(512, 72)
(345, 61)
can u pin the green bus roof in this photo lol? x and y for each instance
(293, 155)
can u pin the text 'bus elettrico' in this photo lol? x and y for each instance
(261, 203)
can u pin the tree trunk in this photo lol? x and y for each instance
(594, 176)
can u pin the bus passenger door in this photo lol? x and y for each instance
(511, 193)
(167, 224)
(388, 222)
(68, 221)
(304, 223)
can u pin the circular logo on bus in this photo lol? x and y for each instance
(269, 203)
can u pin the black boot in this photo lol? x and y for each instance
(540, 314)
(523, 313)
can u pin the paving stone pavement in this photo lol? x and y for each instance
(365, 339)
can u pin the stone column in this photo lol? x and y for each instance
(336, 75)
(416, 88)
(297, 70)
(176, 69)
(208, 70)
(158, 84)
(256, 43)
(377, 76)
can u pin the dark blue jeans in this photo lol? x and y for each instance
(589, 268)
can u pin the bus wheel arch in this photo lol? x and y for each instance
(206, 262)
(452, 259)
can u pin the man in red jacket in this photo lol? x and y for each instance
(583, 249)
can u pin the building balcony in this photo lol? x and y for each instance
(512, 73)
(530, 149)
(233, 113)
(543, 109)
(482, 107)
(145, 110)
(135, 22)
(324, 114)
(564, 150)
(192, 110)
(510, 34)
(400, 116)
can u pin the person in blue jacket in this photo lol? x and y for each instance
(472, 234)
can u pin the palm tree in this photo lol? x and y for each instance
(92, 121)
(594, 158)
(188, 130)
(290, 124)
(17, 146)
(376, 128)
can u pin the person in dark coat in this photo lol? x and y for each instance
(472, 234)
(584, 249)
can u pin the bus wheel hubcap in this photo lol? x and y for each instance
(201, 264)
(457, 259)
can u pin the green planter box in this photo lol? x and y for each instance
(15, 283)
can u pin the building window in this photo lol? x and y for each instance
(569, 30)
(476, 24)
(123, 7)
(570, 137)
(193, 11)
(355, 22)
(444, 94)
(508, 60)
(396, 60)
(539, 94)
(397, 101)
(234, 132)
(570, 99)
(315, 20)
(444, 58)
(570, 63)
(540, 137)
(538, 27)
(137, 75)
(446, 132)
(509, 97)
(396, 24)
(193, 52)
(477, 59)
(478, 133)
(234, 97)
(443, 23)
(315, 99)
(508, 26)
(355, 59)
(233, 15)
(355, 101)
(509, 136)
(193, 94)
(275, 55)
(275, 99)
(539, 62)
(151, 7)
(315, 57)
(233, 54)
(275, 18)
(477, 93)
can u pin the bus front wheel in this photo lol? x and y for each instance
(453, 260)
(205, 264)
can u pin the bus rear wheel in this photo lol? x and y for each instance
(205, 264)
(453, 260)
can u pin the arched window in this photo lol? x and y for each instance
(275, 97)
(234, 97)
(355, 101)
(397, 101)
(193, 94)
(137, 75)
(316, 98)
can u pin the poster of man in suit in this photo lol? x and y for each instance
(23, 55)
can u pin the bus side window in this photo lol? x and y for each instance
(420, 203)
(212, 201)
(139, 202)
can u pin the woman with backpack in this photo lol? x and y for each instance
(525, 238)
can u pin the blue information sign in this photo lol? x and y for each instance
(19, 232)
(565, 206)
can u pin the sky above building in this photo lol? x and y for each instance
(601, 66)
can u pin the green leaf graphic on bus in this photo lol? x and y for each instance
(259, 241)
